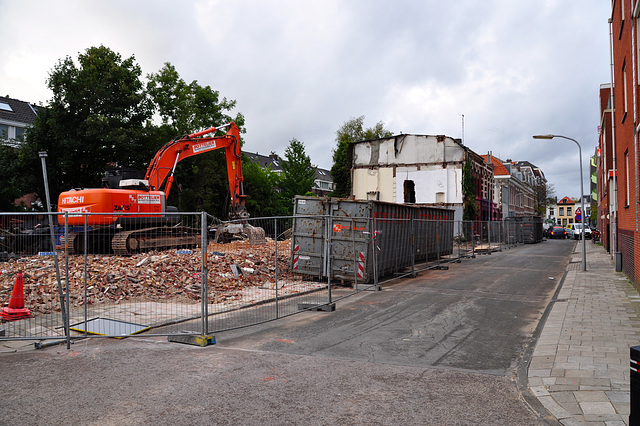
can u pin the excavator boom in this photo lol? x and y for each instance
(162, 167)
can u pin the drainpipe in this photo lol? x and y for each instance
(613, 237)
(635, 104)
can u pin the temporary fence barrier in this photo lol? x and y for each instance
(195, 275)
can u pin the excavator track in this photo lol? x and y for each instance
(162, 238)
(72, 241)
(98, 241)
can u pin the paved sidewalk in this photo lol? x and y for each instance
(579, 370)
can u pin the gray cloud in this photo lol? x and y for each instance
(300, 69)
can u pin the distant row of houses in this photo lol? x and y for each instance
(322, 186)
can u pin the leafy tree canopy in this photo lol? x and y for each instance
(351, 131)
(94, 121)
(101, 116)
(470, 205)
(298, 172)
(543, 193)
(183, 108)
(262, 187)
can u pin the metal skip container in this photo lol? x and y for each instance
(345, 239)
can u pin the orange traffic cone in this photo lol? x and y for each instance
(16, 309)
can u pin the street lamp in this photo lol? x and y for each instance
(584, 212)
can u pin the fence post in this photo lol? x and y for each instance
(459, 234)
(86, 248)
(66, 278)
(204, 291)
(356, 256)
(275, 239)
(327, 230)
(413, 251)
(375, 254)
(634, 386)
(43, 155)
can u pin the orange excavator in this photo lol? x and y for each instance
(151, 228)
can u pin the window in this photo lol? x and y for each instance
(5, 107)
(568, 211)
(4, 131)
(638, 46)
(570, 220)
(560, 211)
(19, 134)
(551, 212)
(626, 172)
(621, 3)
(409, 192)
(624, 90)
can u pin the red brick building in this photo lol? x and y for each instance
(623, 181)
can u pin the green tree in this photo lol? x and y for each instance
(470, 205)
(183, 108)
(593, 218)
(298, 172)
(262, 187)
(94, 121)
(11, 181)
(351, 131)
(100, 118)
(543, 193)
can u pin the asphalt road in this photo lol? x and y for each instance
(442, 348)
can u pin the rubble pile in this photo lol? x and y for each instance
(172, 275)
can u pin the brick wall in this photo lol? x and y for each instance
(626, 115)
(627, 248)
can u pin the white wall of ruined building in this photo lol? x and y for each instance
(411, 149)
(419, 159)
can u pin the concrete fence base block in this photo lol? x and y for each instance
(189, 339)
(327, 307)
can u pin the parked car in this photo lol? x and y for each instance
(577, 230)
(558, 232)
(570, 230)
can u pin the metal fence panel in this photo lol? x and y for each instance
(197, 275)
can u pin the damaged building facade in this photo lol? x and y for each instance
(421, 169)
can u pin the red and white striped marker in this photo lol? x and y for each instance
(361, 265)
(296, 256)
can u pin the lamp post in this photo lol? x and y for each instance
(584, 253)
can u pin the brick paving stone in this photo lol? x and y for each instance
(585, 342)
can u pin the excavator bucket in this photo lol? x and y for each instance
(256, 235)
(237, 231)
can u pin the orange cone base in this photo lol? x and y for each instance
(10, 314)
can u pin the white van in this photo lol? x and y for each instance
(576, 230)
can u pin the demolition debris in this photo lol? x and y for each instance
(172, 275)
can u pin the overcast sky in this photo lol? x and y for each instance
(300, 69)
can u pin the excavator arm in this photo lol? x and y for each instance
(162, 168)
